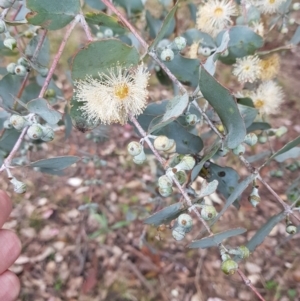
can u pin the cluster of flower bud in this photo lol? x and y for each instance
(182, 226)
(35, 130)
(20, 68)
(250, 139)
(168, 50)
(136, 150)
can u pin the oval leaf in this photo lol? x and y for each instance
(58, 163)
(225, 105)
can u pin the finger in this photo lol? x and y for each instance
(5, 207)
(10, 249)
(10, 286)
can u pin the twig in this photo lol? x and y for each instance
(86, 28)
(58, 55)
(248, 283)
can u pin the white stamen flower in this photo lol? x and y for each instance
(268, 6)
(113, 96)
(268, 97)
(214, 15)
(247, 69)
(258, 28)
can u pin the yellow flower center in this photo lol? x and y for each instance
(219, 11)
(121, 91)
(259, 103)
(272, 1)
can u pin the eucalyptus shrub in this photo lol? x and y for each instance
(202, 122)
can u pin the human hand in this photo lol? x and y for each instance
(10, 248)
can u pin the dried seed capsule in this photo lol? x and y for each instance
(180, 42)
(239, 150)
(20, 70)
(2, 26)
(206, 51)
(48, 133)
(19, 187)
(291, 229)
(11, 68)
(254, 197)
(191, 119)
(178, 233)
(140, 158)
(35, 131)
(134, 148)
(10, 43)
(167, 55)
(185, 221)
(165, 192)
(18, 122)
(208, 212)
(229, 267)
(163, 143)
(164, 182)
(187, 163)
(250, 139)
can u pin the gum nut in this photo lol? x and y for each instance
(35, 131)
(164, 182)
(239, 150)
(11, 68)
(165, 192)
(162, 143)
(291, 229)
(20, 70)
(180, 42)
(140, 158)
(178, 233)
(185, 220)
(19, 187)
(229, 267)
(48, 133)
(17, 121)
(191, 119)
(208, 212)
(134, 148)
(251, 139)
(167, 55)
(244, 252)
(187, 163)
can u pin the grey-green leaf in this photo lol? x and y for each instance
(216, 239)
(225, 105)
(40, 106)
(58, 163)
(9, 87)
(165, 215)
(52, 15)
(264, 231)
(91, 59)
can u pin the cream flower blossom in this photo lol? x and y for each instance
(258, 27)
(268, 6)
(214, 15)
(247, 69)
(115, 95)
(268, 97)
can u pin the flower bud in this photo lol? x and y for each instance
(281, 131)
(242, 252)
(20, 70)
(140, 158)
(181, 177)
(229, 267)
(250, 139)
(222, 152)
(180, 42)
(254, 197)
(28, 34)
(224, 53)
(10, 43)
(163, 143)
(7, 124)
(167, 55)
(35, 131)
(19, 187)
(291, 229)
(178, 233)
(24, 62)
(50, 93)
(18, 122)
(134, 148)
(296, 6)
(191, 119)
(291, 21)
(43, 71)
(108, 33)
(165, 192)
(284, 30)
(185, 221)
(239, 150)
(2, 26)
(208, 212)
(262, 139)
(48, 133)
(206, 51)
(187, 163)
(11, 68)
(164, 182)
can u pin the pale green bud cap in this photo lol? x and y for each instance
(180, 42)
(239, 150)
(208, 212)
(251, 139)
(167, 55)
(35, 131)
(178, 233)
(229, 267)
(18, 122)
(164, 182)
(291, 229)
(10, 43)
(187, 163)
(134, 148)
(165, 192)
(140, 158)
(11, 68)
(185, 221)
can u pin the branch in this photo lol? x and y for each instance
(86, 28)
